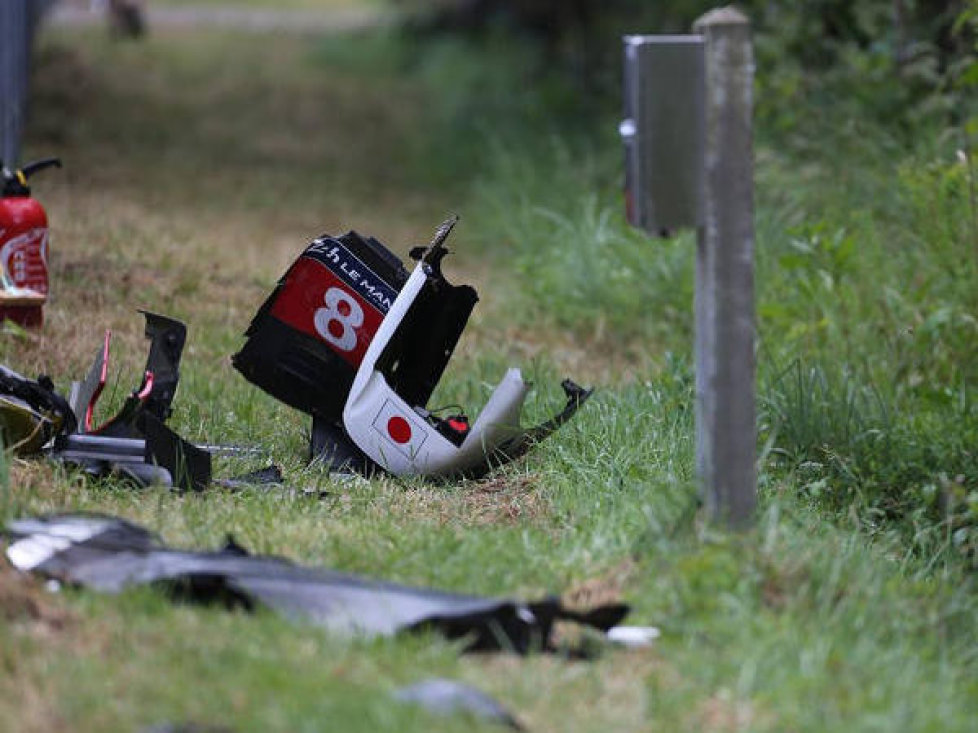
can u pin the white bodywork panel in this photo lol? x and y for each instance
(389, 431)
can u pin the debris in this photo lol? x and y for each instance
(351, 338)
(109, 554)
(448, 697)
(633, 636)
(155, 393)
(270, 475)
(136, 443)
(297, 354)
(31, 412)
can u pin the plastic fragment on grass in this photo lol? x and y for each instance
(633, 636)
(448, 697)
(267, 476)
(109, 554)
(135, 444)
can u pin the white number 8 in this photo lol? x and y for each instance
(338, 320)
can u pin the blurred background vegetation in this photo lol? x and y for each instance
(867, 219)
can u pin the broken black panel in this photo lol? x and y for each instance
(189, 466)
(330, 443)
(162, 375)
(417, 354)
(295, 368)
(268, 476)
(109, 554)
(160, 457)
(135, 443)
(167, 337)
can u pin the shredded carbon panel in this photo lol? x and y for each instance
(109, 554)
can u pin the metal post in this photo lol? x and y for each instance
(726, 431)
(14, 58)
(663, 132)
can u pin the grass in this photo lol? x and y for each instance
(190, 184)
(285, 5)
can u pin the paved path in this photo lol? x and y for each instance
(80, 12)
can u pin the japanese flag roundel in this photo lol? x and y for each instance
(400, 429)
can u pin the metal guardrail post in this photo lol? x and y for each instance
(14, 45)
(19, 20)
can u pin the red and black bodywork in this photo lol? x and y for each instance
(308, 339)
(310, 342)
(309, 362)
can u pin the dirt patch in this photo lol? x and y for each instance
(603, 589)
(506, 500)
(723, 712)
(24, 600)
(500, 500)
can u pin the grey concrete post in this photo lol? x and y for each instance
(726, 430)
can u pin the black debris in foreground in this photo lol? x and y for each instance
(109, 554)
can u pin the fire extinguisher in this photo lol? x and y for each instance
(23, 246)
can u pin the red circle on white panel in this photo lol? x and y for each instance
(399, 429)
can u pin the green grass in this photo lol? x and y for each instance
(192, 182)
(283, 5)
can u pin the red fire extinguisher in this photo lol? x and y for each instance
(23, 246)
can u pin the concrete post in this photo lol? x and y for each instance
(726, 430)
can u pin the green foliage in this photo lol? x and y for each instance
(477, 109)
(577, 259)
(867, 242)
(847, 444)
(861, 653)
(816, 267)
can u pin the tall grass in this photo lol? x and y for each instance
(865, 267)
